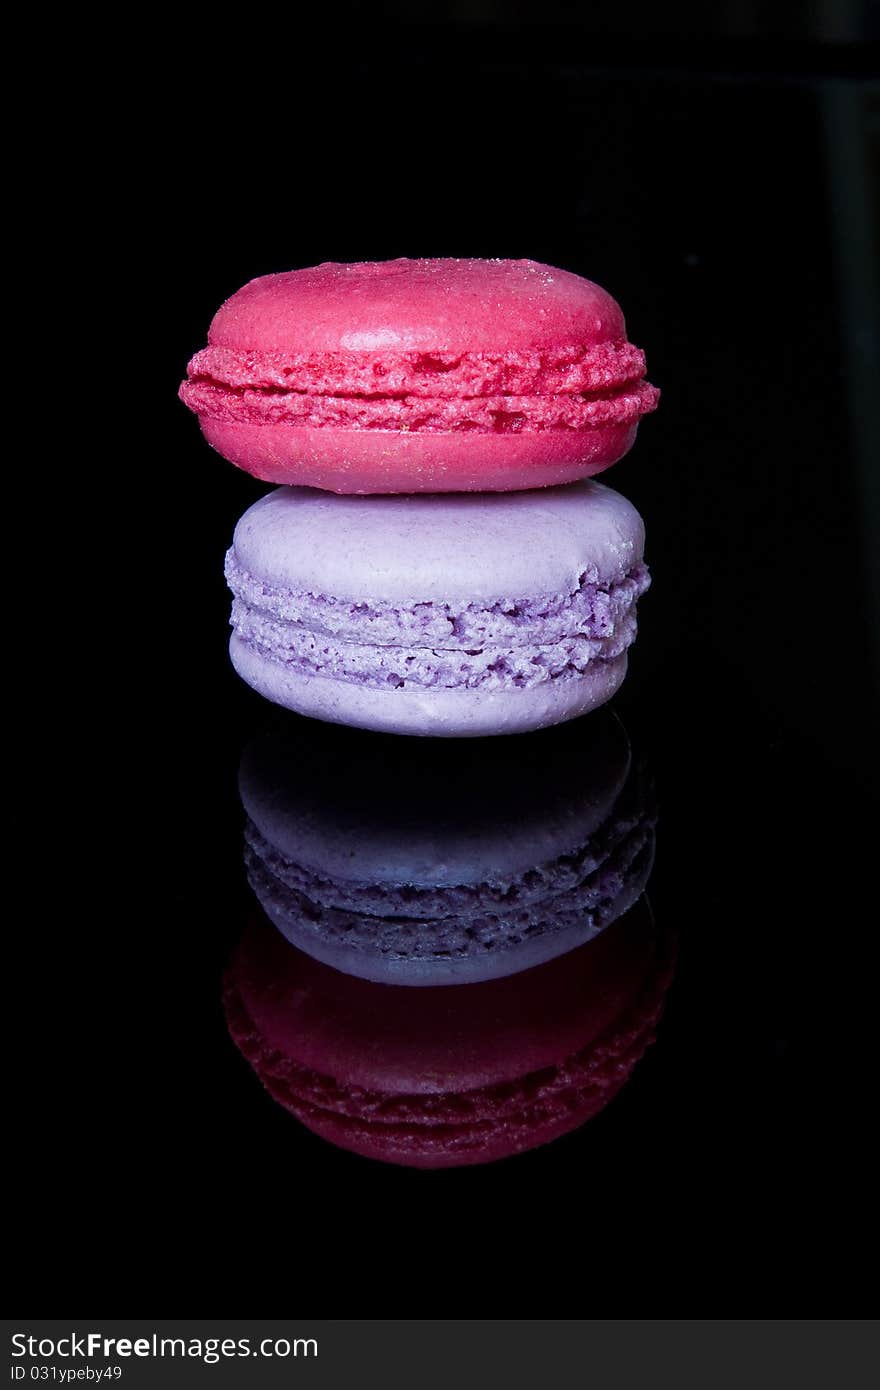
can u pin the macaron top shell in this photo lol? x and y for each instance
(447, 305)
(445, 547)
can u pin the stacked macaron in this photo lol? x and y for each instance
(435, 561)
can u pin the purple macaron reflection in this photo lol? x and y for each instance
(445, 863)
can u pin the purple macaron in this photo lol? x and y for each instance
(446, 615)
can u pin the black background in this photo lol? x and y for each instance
(724, 189)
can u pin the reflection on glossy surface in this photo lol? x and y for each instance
(438, 1078)
(413, 863)
(386, 862)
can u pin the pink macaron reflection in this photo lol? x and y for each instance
(441, 1078)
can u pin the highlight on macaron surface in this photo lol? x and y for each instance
(443, 1078)
(430, 375)
(444, 616)
(432, 864)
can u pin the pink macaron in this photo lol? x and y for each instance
(420, 376)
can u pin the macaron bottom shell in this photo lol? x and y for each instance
(368, 461)
(433, 713)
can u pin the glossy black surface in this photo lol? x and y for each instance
(734, 216)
